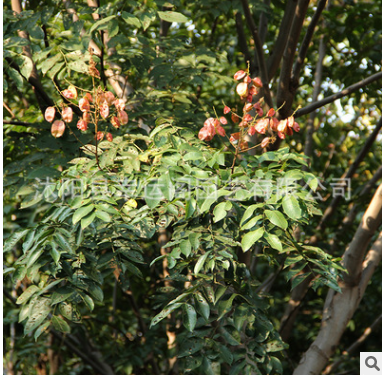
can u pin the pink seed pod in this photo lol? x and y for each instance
(82, 125)
(296, 127)
(119, 104)
(247, 80)
(223, 120)
(283, 125)
(281, 135)
(271, 112)
(100, 135)
(50, 112)
(70, 92)
(242, 89)
(239, 75)
(257, 82)
(89, 97)
(104, 110)
(248, 107)
(109, 136)
(226, 110)
(84, 105)
(247, 117)
(109, 98)
(220, 130)
(265, 142)
(115, 122)
(262, 125)
(67, 114)
(123, 117)
(251, 131)
(205, 134)
(58, 128)
(86, 117)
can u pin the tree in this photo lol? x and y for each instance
(132, 246)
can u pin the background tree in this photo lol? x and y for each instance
(173, 62)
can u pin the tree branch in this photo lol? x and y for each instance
(340, 307)
(308, 148)
(340, 94)
(284, 91)
(242, 40)
(354, 346)
(282, 39)
(259, 52)
(305, 43)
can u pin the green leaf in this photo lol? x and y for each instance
(185, 247)
(166, 186)
(292, 207)
(27, 67)
(202, 305)
(277, 218)
(164, 313)
(14, 239)
(78, 66)
(41, 329)
(191, 346)
(106, 217)
(172, 16)
(68, 311)
(225, 305)
(113, 28)
(292, 260)
(220, 210)
(230, 334)
(39, 310)
(225, 353)
(252, 222)
(82, 212)
(131, 19)
(249, 239)
(16, 77)
(31, 290)
(102, 23)
(199, 264)
(47, 64)
(189, 317)
(249, 212)
(61, 294)
(60, 324)
(65, 246)
(274, 241)
(299, 278)
(86, 221)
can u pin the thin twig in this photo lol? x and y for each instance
(340, 94)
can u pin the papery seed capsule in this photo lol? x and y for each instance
(290, 121)
(265, 142)
(220, 130)
(257, 82)
(248, 107)
(243, 124)
(104, 110)
(283, 125)
(205, 134)
(242, 89)
(226, 110)
(100, 135)
(247, 80)
(235, 118)
(58, 128)
(249, 98)
(260, 111)
(262, 125)
(251, 130)
(67, 114)
(50, 112)
(296, 127)
(247, 117)
(239, 75)
(119, 104)
(82, 125)
(281, 135)
(234, 138)
(271, 112)
(70, 92)
(243, 145)
(89, 97)
(274, 124)
(84, 105)
(123, 117)
(253, 90)
(109, 97)
(86, 116)
(223, 120)
(109, 136)
(115, 122)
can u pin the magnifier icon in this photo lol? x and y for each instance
(372, 363)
